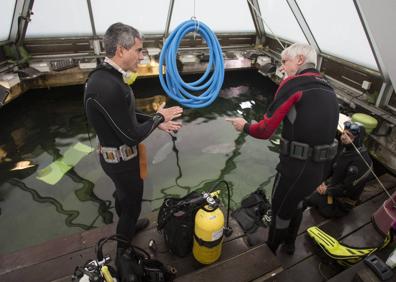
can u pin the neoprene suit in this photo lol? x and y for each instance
(110, 108)
(349, 175)
(308, 107)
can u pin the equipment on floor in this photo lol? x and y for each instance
(379, 267)
(385, 215)
(255, 211)
(133, 265)
(254, 215)
(195, 223)
(208, 231)
(343, 254)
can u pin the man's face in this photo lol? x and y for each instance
(347, 137)
(291, 65)
(130, 58)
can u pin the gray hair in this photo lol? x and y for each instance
(119, 34)
(305, 50)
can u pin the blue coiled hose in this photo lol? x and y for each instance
(174, 85)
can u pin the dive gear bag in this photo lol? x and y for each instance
(176, 218)
(134, 265)
(176, 222)
(255, 211)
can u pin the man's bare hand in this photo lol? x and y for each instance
(170, 126)
(238, 123)
(321, 189)
(170, 113)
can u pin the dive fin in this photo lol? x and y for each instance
(343, 254)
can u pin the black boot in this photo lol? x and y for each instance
(288, 248)
(292, 231)
(275, 238)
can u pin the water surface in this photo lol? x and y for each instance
(42, 126)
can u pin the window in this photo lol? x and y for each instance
(7, 8)
(220, 16)
(279, 20)
(338, 30)
(54, 18)
(148, 16)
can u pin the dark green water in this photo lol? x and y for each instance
(43, 125)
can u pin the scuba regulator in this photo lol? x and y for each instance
(133, 265)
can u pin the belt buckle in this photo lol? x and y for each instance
(300, 151)
(321, 153)
(110, 155)
(325, 152)
(127, 152)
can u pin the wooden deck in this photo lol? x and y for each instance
(56, 260)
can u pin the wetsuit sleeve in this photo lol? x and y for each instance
(342, 188)
(142, 117)
(121, 117)
(274, 116)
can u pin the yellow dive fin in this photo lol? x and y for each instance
(343, 254)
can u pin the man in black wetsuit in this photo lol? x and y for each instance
(308, 107)
(337, 195)
(110, 108)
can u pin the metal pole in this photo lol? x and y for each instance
(168, 19)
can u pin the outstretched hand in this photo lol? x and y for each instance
(170, 126)
(237, 122)
(169, 113)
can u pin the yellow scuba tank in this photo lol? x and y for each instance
(208, 231)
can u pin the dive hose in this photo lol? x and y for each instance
(204, 90)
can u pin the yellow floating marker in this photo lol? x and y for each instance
(55, 171)
(369, 122)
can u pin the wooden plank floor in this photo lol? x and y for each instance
(354, 229)
(55, 260)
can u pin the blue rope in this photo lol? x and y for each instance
(174, 85)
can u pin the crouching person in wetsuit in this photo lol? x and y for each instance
(308, 107)
(110, 108)
(336, 196)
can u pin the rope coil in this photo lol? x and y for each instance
(207, 87)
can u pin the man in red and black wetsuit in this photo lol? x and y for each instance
(308, 107)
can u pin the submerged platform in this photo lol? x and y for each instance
(56, 260)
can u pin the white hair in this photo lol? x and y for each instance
(303, 49)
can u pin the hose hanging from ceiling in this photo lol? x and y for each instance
(199, 93)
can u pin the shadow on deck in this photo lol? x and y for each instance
(56, 260)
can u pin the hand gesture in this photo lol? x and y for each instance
(237, 122)
(170, 113)
(170, 126)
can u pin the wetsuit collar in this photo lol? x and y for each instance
(114, 65)
(309, 67)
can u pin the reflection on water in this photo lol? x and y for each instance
(40, 127)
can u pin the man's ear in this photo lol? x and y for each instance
(300, 60)
(119, 51)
